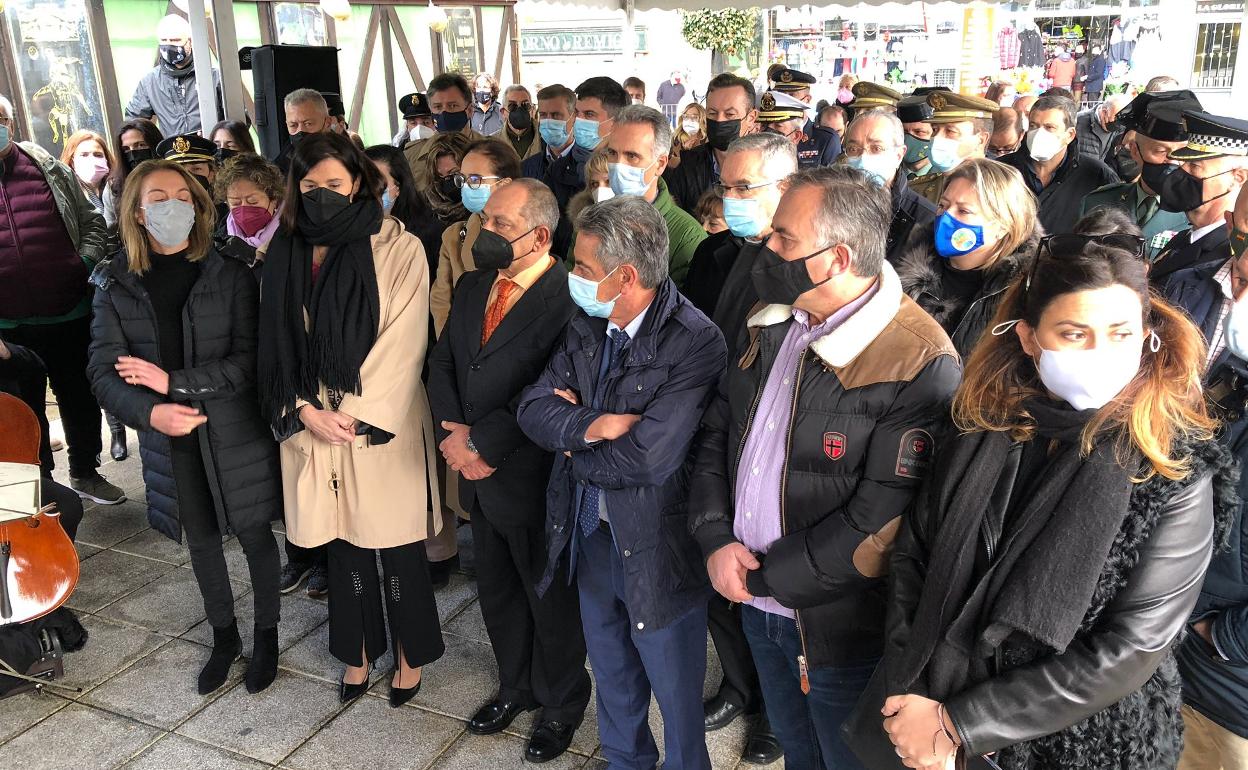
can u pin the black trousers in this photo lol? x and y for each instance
(63, 348)
(356, 619)
(538, 642)
(315, 557)
(67, 502)
(198, 516)
(740, 683)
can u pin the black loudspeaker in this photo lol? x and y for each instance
(277, 70)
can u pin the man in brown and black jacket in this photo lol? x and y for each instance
(813, 448)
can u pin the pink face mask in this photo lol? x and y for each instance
(91, 169)
(250, 219)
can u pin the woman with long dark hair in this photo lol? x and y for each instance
(136, 142)
(1057, 549)
(399, 198)
(440, 198)
(231, 138)
(345, 307)
(173, 355)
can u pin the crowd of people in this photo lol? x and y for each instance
(930, 409)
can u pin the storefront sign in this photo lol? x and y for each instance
(978, 25)
(574, 42)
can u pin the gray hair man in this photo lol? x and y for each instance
(167, 93)
(1096, 130)
(785, 488)
(307, 112)
(637, 154)
(875, 143)
(619, 404)
(519, 129)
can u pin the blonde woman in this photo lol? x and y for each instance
(690, 132)
(597, 185)
(173, 355)
(958, 267)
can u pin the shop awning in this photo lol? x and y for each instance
(884, 6)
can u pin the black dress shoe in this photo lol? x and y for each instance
(496, 716)
(117, 447)
(401, 695)
(719, 712)
(550, 739)
(761, 747)
(349, 692)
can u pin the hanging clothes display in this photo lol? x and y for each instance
(1008, 47)
(1031, 48)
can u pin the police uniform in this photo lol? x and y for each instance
(193, 148)
(820, 148)
(791, 81)
(873, 96)
(950, 107)
(413, 105)
(1208, 136)
(913, 108)
(1158, 116)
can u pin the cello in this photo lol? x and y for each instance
(38, 562)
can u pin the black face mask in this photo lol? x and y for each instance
(225, 153)
(520, 119)
(450, 122)
(484, 97)
(1128, 167)
(1154, 174)
(1179, 191)
(203, 181)
(323, 204)
(720, 133)
(492, 251)
(135, 157)
(295, 139)
(173, 55)
(448, 189)
(779, 281)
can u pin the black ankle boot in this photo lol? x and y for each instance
(118, 448)
(262, 668)
(227, 647)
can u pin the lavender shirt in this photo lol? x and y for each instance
(757, 503)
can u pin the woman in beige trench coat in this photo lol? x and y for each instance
(344, 319)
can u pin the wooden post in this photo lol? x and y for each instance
(439, 59)
(503, 30)
(387, 65)
(480, 38)
(331, 29)
(366, 60)
(98, 29)
(514, 27)
(400, 37)
(268, 24)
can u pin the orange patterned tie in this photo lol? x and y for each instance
(498, 309)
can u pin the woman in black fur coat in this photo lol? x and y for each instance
(958, 267)
(1053, 558)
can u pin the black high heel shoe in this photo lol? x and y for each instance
(349, 692)
(401, 695)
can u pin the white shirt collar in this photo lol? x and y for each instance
(1201, 232)
(556, 156)
(634, 325)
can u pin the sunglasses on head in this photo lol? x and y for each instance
(1072, 244)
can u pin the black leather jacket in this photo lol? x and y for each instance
(1110, 659)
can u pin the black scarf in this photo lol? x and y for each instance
(1048, 561)
(343, 308)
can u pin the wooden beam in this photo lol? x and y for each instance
(514, 27)
(97, 26)
(400, 37)
(268, 23)
(439, 59)
(387, 64)
(366, 60)
(480, 38)
(502, 46)
(331, 29)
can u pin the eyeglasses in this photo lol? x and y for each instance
(472, 181)
(1073, 244)
(738, 190)
(522, 107)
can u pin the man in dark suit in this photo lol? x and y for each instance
(506, 319)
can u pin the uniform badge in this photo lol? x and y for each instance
(938, 101)
(861, 88)
(786, 76)
(181, 145)
(1162, 239)
(834, 445)
(914, 456)
(768, 102)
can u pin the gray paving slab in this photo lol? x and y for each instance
(78, 736)
(153, 545)
(498, 752)
(369, 734)
(461, 680)
(268, 725)
(171, 604)
(310, 656)
(457, 595)
(161, 688)
(109, 575)
(177, 752)
(106, 525)
(110, 648)
(469, 624)
(21, 711)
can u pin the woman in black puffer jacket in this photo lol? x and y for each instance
(173, 355)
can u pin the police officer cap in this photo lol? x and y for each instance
(914, 107)
(334, 102)
(870, 96)
(953, 107)
(777, 107)
(415, 105)
(187, 148)
(1212, 136)
(790, 80)
(1159, 115)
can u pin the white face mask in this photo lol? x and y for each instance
(603, 194)
(420, 131)
(690, 126)
(1043, 145)
(1090, 378)
(1235, 329)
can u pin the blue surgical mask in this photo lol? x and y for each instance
(586, 133)
(628, 180)
(474, 200)
(945, 153)
(741, 216)
(878, 168)
(5, 138)
(585, 294)
(1235, 330)
(554, 132)
(917, 149)
(387, 200)
(954, 238)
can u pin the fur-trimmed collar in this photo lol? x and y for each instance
(843, 344)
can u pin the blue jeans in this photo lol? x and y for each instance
(629, 663)
(807, 726)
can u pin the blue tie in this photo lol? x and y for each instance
(587, 516)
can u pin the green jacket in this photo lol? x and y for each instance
(83, 223)
(1157, 229)
(683, 234)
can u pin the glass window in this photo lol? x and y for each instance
(300, 24)
(1216, 45)
(461, 42)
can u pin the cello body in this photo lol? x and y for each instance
(38, 562)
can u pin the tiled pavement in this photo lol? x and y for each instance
(139, 707)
